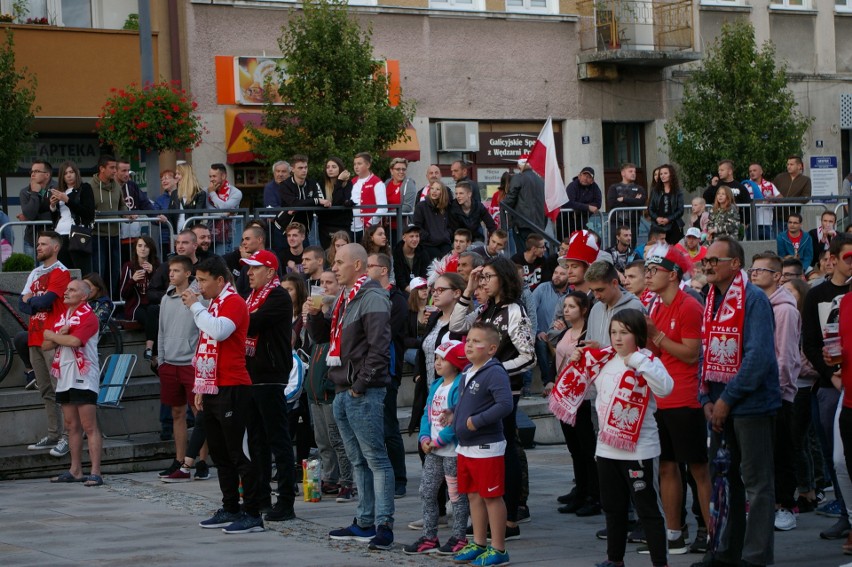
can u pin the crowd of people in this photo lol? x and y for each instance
(648, 352)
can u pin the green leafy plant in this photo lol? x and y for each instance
(18, 262)
(736, 106)
(336, 95)
(132, 22)
(18, 93)
(156, 117)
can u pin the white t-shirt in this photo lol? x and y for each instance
(440, 402)
(84, 328)
(63, 225)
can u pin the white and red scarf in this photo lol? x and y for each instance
(626, 410)
(647, 297)
(824, 238)
(72, 320)
(723, 334)
(333, 357)
(255, 301)
(207, 352)
(224, 192)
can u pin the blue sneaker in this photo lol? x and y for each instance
(831, 509)
(245, 525)
(220, 519)
(469, 552)
(491, 557)
(383, 540)
(353, 533)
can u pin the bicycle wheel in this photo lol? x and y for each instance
(6, 353)
(110, 341)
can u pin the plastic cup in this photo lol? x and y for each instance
(832, 349)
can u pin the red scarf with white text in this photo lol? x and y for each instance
(255, 301)
(626, 410)
(72, 320)
(207, 352)
(333, 358)
(723, 334)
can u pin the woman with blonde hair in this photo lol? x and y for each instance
(189, 195)
(338, 239)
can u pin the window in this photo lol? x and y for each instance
(723, 2)
(472, 5)
(791, 4)
(77, 13)
(533, 6)
(843, 5)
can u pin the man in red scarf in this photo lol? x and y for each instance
(222, 390)
(359, 352)
(740, 394)
(269, 359)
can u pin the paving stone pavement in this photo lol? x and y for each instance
(135, 519)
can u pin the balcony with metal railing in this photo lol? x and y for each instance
(644, 33)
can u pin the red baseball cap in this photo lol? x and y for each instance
(262, 258)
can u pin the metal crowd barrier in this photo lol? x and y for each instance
(14, 233)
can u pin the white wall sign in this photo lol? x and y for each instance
(824, 180)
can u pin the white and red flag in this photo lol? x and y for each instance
(543, 161)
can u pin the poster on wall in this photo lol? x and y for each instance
(252, 74)
(824, 180)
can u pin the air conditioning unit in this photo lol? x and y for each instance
(458, 136)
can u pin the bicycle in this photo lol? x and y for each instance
(109, 339)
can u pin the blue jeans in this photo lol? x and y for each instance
(363, 436)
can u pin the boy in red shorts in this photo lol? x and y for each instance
(177, 338)
(485, 398)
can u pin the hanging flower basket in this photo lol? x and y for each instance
(156, 117)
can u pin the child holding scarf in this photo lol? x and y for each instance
(625, 375)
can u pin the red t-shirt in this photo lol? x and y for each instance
(231, 363)
(54, 278)
(394, 191)
(795, 241)
(680, 320)
(845, 320)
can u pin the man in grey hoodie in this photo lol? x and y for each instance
(765, 273)
(602, 278)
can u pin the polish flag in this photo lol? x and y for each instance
(543, 161)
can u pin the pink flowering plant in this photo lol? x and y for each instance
(154, 117)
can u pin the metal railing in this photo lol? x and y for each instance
(645, 25)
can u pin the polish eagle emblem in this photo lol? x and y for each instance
(723, 350)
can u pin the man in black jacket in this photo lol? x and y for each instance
(269, 360)
(378, 268)
(725, 178)
(299, 191)
(409, 259)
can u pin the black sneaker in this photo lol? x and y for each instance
(839, 530)
(601, 534)
(29, 380)
(699, 544)
(676, 547)
(202, 470)
(383, 540)
(513, 533)
(246, 524)
(590, 508)
(523, 515)
(568, 498)
(221, 519)
(637, 535)
(280, 513)
(172, 468)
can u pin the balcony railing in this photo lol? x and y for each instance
(639, 25)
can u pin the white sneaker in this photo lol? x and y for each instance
(784, 520)
(61, 448)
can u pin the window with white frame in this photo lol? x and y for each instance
(723, 2)
(103, 14)
(533, 6)
(843, 5)
(473, 5)
(791, 4)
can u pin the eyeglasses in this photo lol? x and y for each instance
(439, 290)
(400, 169)
(35, 171)
(483, 277)
(375, 266)
(652, 271)
(758, 270)
(790, 275)
(713, 262)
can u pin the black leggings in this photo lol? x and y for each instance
(149, 316)
(581, 442)
(512, 495)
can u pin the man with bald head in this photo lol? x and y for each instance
(358, 332)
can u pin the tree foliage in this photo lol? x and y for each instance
(337, 94)
(17, 107)
(736, 106)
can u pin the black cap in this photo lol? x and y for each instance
(411, 228)
(588, 170)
